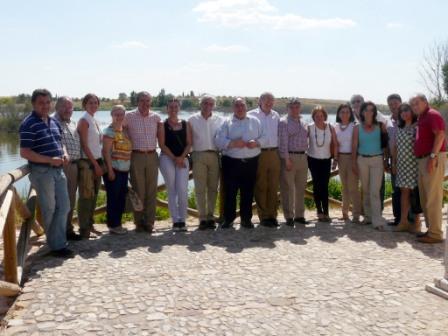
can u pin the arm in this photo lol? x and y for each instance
(30, 155)
(334, 147)
(438, 142)
(283, 141)
(385, 149)
(107, 148)
(189, 142)
(161, 138)
(355, 150)
(83, 128)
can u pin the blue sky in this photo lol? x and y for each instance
(312, 49)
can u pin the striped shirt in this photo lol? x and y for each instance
(40, 137)
(142, 130)
(70, 138)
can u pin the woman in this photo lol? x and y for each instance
(322, 147)
(90, 165)
(117, 149)
(404, 165)
(174, 137)
(345, 124)
(368, 162)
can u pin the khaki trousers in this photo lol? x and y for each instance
(144, 175)
(71, 173)
(89, 186)
(431, 194)
(292, 186)
(206, 180)
(267, 185)
(371, 171)
(350, 186)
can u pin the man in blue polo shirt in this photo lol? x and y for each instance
(41, 145)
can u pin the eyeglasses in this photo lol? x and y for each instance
(356, 101)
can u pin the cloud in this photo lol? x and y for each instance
(394, 25)
(235, 48)
(130, 45)
(244, 13)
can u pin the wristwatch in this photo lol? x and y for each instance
(433, 155)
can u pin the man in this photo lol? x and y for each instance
(293, 144)
(268, 172)
(430, 150)
(41, 145)
(141, 125)
(238, 139)
(204, 127)
(70, 139)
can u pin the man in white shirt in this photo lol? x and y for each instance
(204, 126)
(268, 172)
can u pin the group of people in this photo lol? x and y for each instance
(253, 153)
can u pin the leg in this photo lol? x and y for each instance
(153, 174)
(273, 184)
(229, 171)
(58, 228)
(168, 170)
(138, 183)
(86, 196)
(261, 186)
(123, 190)
(200, 173)
(344, 170)
(71, 173)
(376, 176)
(326, 170)
(212, 183)
(247, 184)
(300, 180)
(287, 191)
(354, 193)
(314, 169)
(396, 200)
(182, 191)
(364, 176)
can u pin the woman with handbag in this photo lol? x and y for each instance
(323, 146)
(174, 137)
(117, 149)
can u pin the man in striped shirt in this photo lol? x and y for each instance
(41, 145)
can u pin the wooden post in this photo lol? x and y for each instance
(9, 243)
(37, 226)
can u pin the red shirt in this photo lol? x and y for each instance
(428, 123)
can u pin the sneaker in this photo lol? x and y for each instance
(119, 230)
(73, 236)
(203, 225)
(63, 253)
(179, 226)
(301, 220)
(289, 222)
(247, 224)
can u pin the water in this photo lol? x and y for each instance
(10, 150)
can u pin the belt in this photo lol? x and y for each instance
(144, 151)
(243, 160)
(74, 161)
(207, 151)
(423, 156)
(269, 149)
(345, 153)
(370, 156)
(297, 152)
(41, 164)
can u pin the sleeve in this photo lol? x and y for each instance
(222, 140)
(283, 140)
(109, 132)
(437, 123)
(26, 135)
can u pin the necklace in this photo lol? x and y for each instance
(343, 128)
(315, 136)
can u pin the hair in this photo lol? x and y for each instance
(401, 122)
(319, 108)
(116, 108)
(356, 96)
(293, 101)
(40, 93)
(419, 96)
(343, 106)
(172, 99)
(235, 99)
(207, 97)
(61, 100)
(364, 108)
(143, 94)
(394, 96)
(87, 97)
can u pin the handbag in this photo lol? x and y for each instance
(137, 204)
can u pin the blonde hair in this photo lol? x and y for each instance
(116, 108)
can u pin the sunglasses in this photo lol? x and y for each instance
(406, 109)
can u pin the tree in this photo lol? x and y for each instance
(445, 77)
(133, 98)
(122, 97)
(431, 73)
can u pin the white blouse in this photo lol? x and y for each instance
(344, 136)
(320, 142)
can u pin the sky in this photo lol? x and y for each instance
(309, 49)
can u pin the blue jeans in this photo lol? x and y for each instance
(51, 187)
(116, 191)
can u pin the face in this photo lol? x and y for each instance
(406, 113)
(144, 103)
(42, 105)
(172, 109)
(207, 106)
(419, 106)
(368, 113)
(356, 104)
(319, 117)
(267, 103)
(65, 110)
(294, 111)
(344, 114)
(118, 117)
(92, 105)
(394, 106)
(239, 109)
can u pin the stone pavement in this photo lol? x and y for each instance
(338, 279)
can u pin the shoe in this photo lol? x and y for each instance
(179, 227)
(301, 220)
(95, 232)
(63, 253)
(203, 225)
(211, 224)
(149, 228)
(274, 222)
(429, 240)
(265, 222)
(366, 222)
(380, 228)
(345, 217)
(402, 227)
(227, 225)
(247, 224)
(289, 222)
(73, 236)
(422, 234)
(326, 219)
(394, 223)
(119, 230)
(356, 220)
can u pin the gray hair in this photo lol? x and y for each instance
(242, 99)
(293, 101)
(207, 97)
(117, 108)
(61, 100)
(356, 96)
(265, 95)
(143, 94)
(420, 96)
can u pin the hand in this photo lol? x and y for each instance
(334, 165)
(66, 160)
(252, 144)
(237, 143)
(98, 170)
(111, 174)
(431, 165)
(355, 169)
(56, 161)
(180, 162)
(288, 164)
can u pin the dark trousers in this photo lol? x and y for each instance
(396, 199)
(320, 173)
(116, 191)
(238, 175)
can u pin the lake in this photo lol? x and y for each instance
(9, 143)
